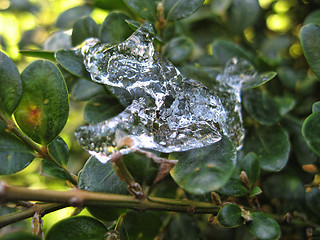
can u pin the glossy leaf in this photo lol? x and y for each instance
(183, 226)
(144, 170)
(223, 51)
(258, 80)
(114, 28)
(175, 10)
(10, 85)
(310, 41)
(234, 187)
(82, 29)
(264, 227)
(77, 228)
(70, 16)
(101, 108)
(83, 90)
(251, 165)
(205, 169)
(313, 200)
(140, 226)
(143, 8)
(179, 49)
(230, 216)
(19, 236)
(73, 63)
(44, 107)
(290, 189)
(242, 14)
(261, 107)
(59, 150)
(49, 55)
(316, 107)
(271, 145)
(14, 154)
(311, 132)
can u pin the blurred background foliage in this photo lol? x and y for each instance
(268, 30)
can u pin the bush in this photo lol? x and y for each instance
(151, 175)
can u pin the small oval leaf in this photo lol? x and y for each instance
(229, 216)
(114, 28)
(70, 16)
(310, 41)
(258, 80)
(83, 90)
(311, 132)
(178, 49)
(101, 108)
(44, 106)
(10, 85)
(251, 165)
(264, 227)
(82, 29)
(143, 8)
(77, 228)
(175, 10)
(14, 154)
(205, 169)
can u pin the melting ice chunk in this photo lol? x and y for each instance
(165, 111)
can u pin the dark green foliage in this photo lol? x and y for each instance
(275, 173)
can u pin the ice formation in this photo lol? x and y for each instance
(165, 111)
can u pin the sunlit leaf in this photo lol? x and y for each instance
(49, 55)
(205, 169)
(44, 106)
(10, 85)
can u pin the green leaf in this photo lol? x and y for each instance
(230, 216)
(261, 107)
(19, 236)
(313, 200)
(83, 90)
(49, 55)
(178, 49)
(264, 227)
(310, 41)
(290, 189)
(223, 51)
(285, 103)
(311, 132)
(73, 63)
(234, 187)
(316, 107)
(114, 28)
(313, 17)
(258, 80)
(60, 151)
(110, 4)
(183, 226)
(98, 177)
(144, 170)
(140, 226)
(67, 19)
(205, 169)
(77, 228)
(143, 8)
(271, 145)
(255, 191)
(14, 154)
(101, 108)
(178, 9)
(220, 6)
(242, 14)
(82, 29)
(44, 107)
(300, 147)
(251, 165)
(10, 85)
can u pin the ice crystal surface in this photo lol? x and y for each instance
(165, 111)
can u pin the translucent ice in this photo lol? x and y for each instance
(165, 111)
